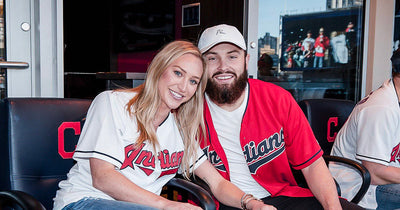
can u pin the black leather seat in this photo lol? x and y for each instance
(38, 138)
(326, 117)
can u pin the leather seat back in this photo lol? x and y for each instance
(326, 117)
(37, 138)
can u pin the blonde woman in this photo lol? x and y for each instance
(134, 141)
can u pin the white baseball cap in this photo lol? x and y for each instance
(218, 34)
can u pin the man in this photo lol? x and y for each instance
(371, 136)
(320, 46)
(308, 48)
(256, 132)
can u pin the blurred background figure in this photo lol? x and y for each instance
(339, 51)
(321, 45)
(308, 48)
(265, 65)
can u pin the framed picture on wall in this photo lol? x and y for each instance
(191, 15)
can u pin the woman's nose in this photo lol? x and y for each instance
(183, 84)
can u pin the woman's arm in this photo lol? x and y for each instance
(116, 185)
(321, 184)
(225, 191)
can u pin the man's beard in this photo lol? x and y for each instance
(226, 94)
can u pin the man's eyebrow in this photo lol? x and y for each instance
(210, 52)
(229, 52)
(233, 51)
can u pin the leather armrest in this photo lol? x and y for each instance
(19, 198)
(364, 173)
(205, 199)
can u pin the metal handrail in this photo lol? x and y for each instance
(14, 64)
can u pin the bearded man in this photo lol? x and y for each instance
(256, 132)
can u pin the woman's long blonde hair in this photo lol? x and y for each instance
(189, 115)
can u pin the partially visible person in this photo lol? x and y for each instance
(371, 136)
(351, 41)
(134, 141)
(256, 132)
(338, 49)
(264, 65)
(308, 50)
(320, 46)
(350, 27)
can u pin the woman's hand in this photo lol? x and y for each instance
(173, 205)
(258, 205)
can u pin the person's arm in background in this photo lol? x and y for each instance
(116, 185)
(226, 192)
(377, 143)
(381, 174)
(321, 184)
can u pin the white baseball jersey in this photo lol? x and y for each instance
(109, 134)
(371, 133)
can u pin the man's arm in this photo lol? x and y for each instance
(321, 184)
(225, 191)
(381, 174)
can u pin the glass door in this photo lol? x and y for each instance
(312, 48)
(15, 48)
(31, 48)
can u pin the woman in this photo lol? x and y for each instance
(134, 141)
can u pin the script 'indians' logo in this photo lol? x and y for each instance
(256, 155)
(267, 150)
(145, 160)
(395, 155)
(214, 159)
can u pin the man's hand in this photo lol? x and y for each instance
(173, 205)
(258, 205)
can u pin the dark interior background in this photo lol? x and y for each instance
(123, 35)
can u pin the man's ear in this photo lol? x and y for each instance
(247, 59)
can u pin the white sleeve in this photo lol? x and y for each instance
(100, 137)
(375, 132)
(201, 157)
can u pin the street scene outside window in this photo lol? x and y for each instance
(312, 48)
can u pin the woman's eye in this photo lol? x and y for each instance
(193, 82)
(178, 73)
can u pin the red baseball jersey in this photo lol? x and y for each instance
(275, 136)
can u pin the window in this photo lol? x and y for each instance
(312, 48)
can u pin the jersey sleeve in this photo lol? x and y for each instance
(200, 158)
(100, 137)
(375, 132)
(301, 144)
